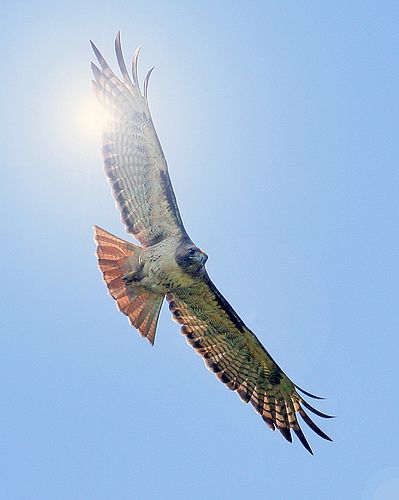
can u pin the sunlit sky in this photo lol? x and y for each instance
(279, 123)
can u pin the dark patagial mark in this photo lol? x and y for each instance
(225, 306)
(170, 196)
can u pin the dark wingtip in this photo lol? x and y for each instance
(308, 393)
(313, 426)
(286, 433)
(313, 410)
(303, 440)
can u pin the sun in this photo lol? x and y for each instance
(92, 117)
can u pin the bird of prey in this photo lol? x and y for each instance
(168, 264)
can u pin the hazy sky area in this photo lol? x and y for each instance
(279, 121)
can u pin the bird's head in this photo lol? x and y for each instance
(191, 258)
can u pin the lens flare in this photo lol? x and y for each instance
(92, 118)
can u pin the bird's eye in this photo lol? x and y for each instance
(191, 251)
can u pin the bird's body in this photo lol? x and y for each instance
(160, 271)
(168, 264)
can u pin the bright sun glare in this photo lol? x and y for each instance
(92, 117)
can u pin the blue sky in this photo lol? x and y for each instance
(279, 123)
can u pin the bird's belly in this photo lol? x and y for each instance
(161, 282)
(163, 276)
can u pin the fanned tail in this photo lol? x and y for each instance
(117, 259)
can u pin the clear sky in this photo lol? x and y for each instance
(279, 121)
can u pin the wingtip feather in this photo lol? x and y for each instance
(307, 393)
(313, 410)
(313, 426)
(146, 81)
(134, 66)
(303, 440)
(285, 431)
(99, 56)
(96, 70)
(120, 59)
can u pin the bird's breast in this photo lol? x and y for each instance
(162, 273)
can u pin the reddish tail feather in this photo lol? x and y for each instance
(117, 258)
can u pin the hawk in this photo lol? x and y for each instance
(167, 264)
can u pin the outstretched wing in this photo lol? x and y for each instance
(239, 360)
(134, 162)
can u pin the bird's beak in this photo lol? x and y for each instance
(204, 256)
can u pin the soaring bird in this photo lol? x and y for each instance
(168, 264)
